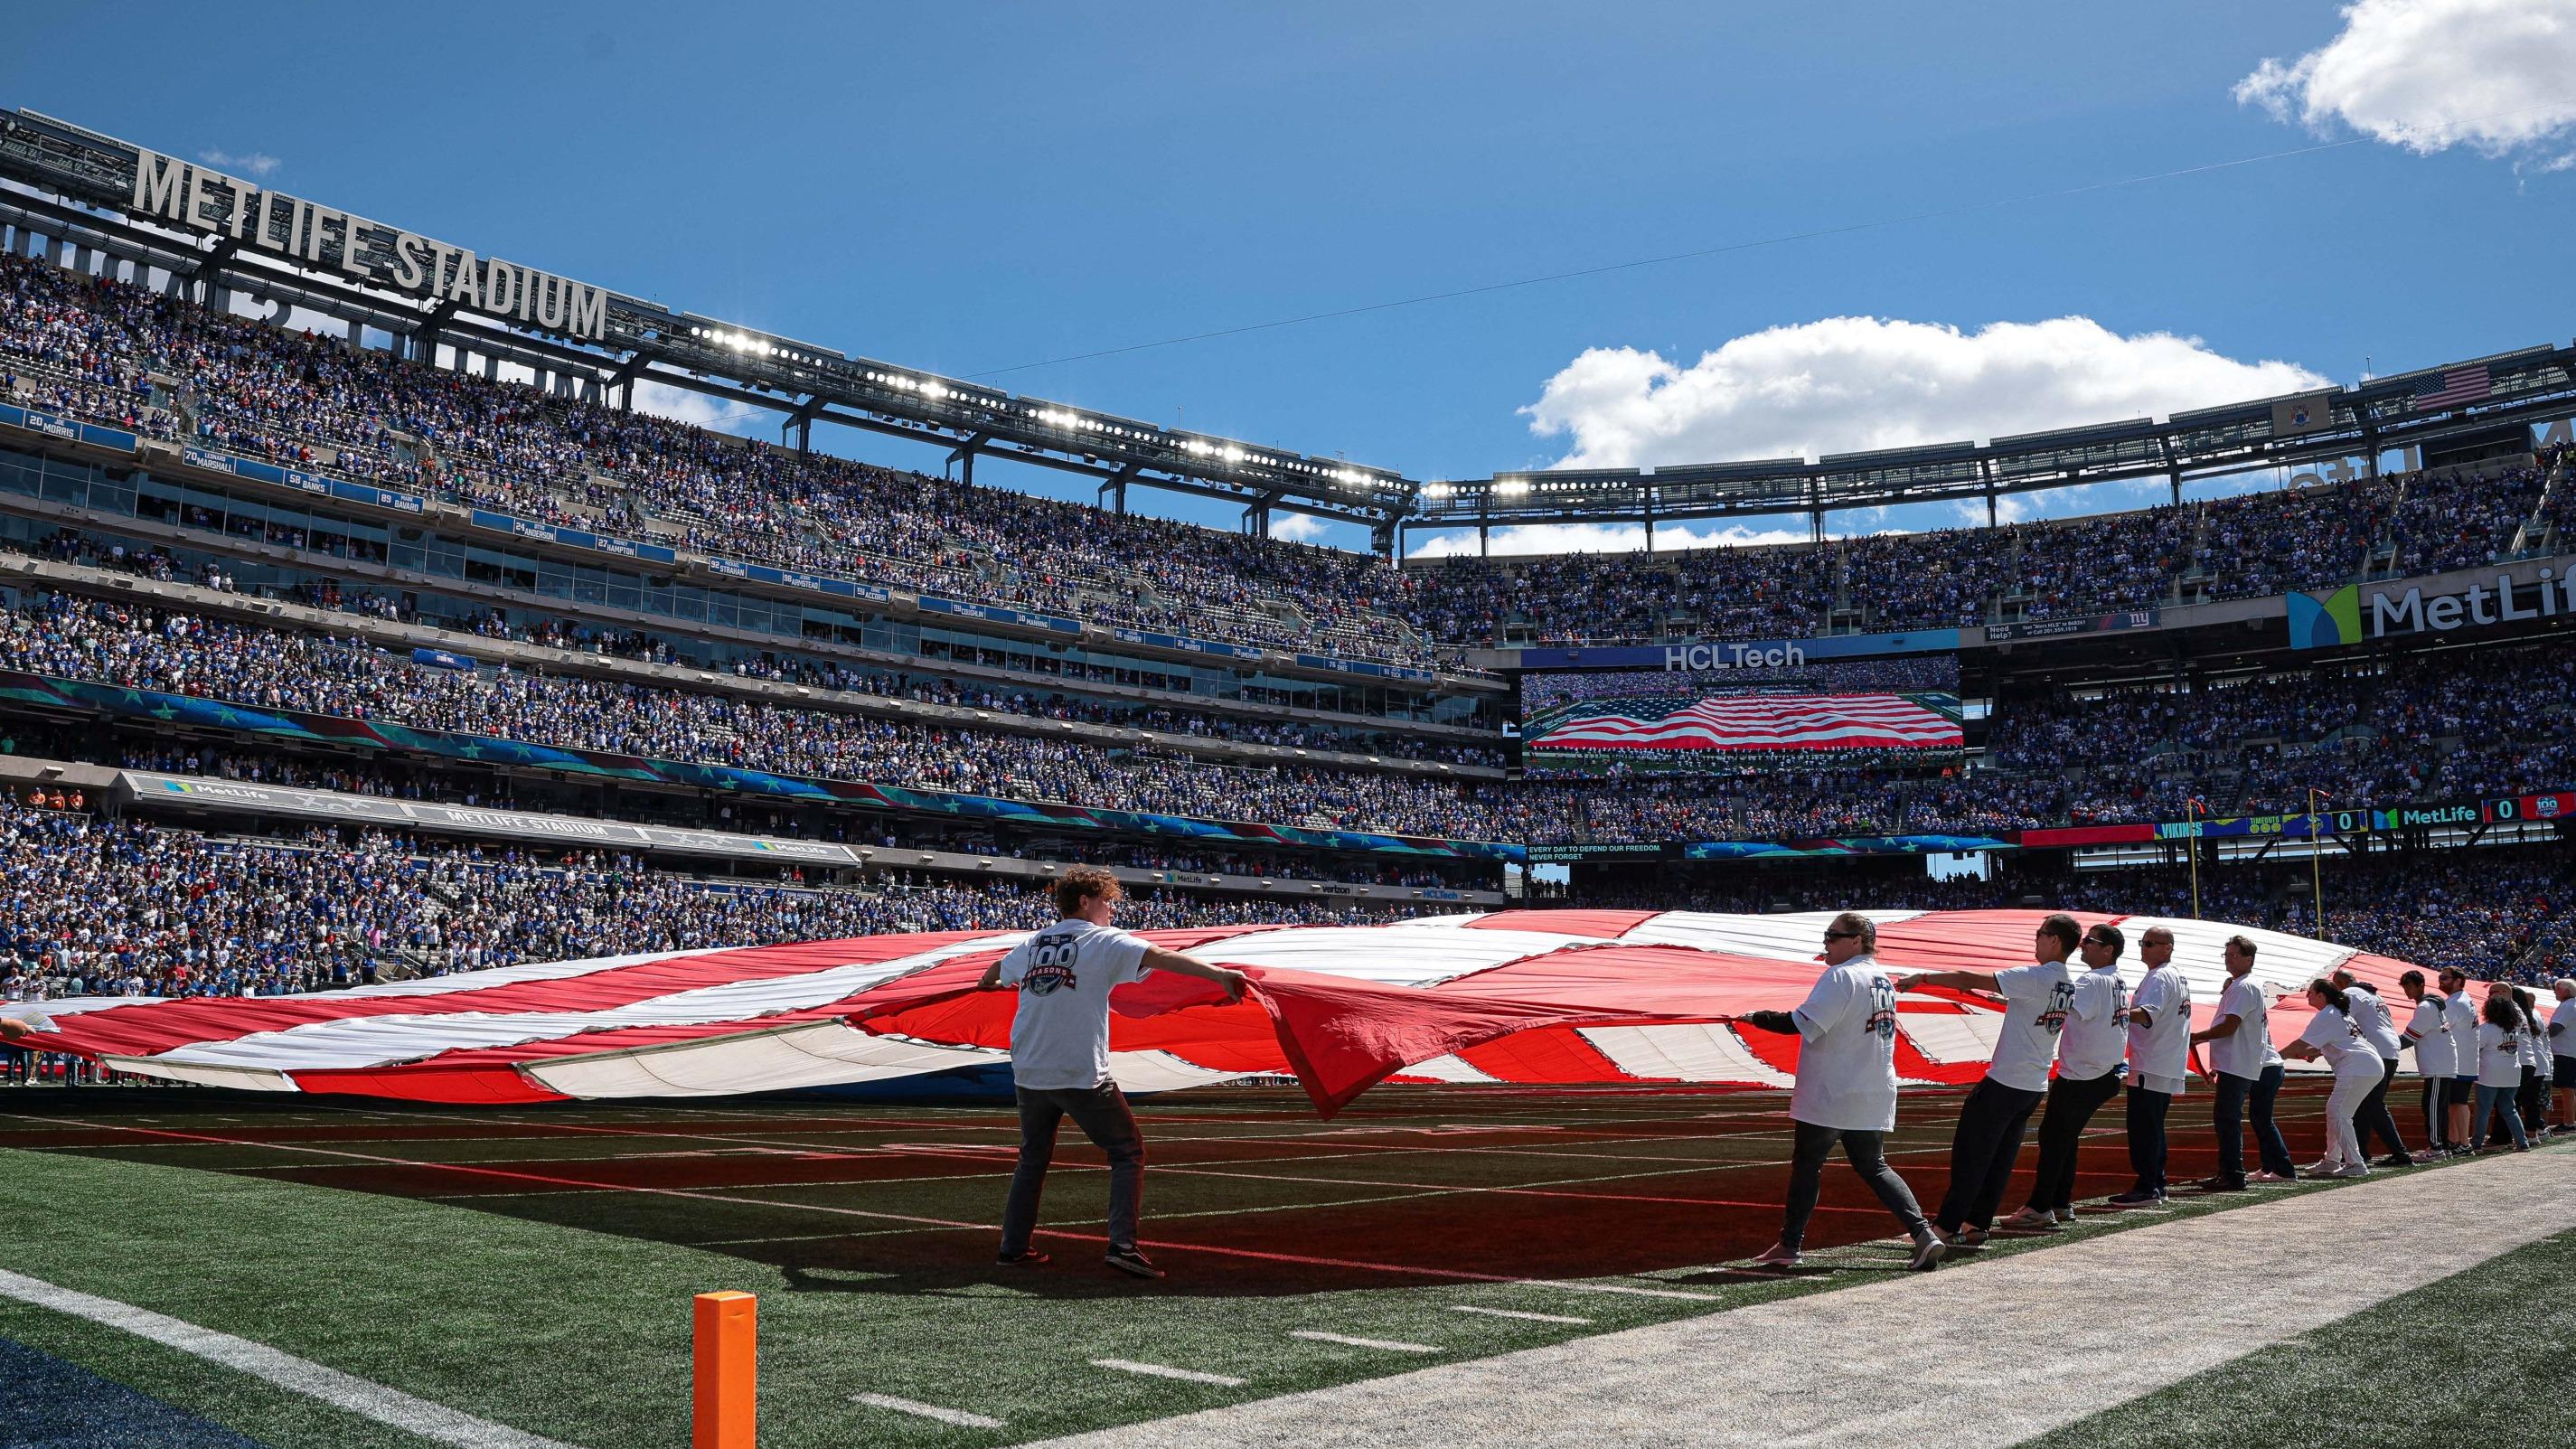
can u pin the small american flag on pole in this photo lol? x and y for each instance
(2459, 385)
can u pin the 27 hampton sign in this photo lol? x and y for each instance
(2531, 589)
(209, 202)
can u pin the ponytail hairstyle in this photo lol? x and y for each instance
(2333, 994)
(2502, 1011)
(2522, 997)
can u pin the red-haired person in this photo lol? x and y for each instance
(1060, 1055)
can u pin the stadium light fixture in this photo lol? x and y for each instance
(1512, 487)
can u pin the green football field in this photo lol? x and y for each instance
(534, 1268)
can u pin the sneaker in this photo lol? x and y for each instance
(1966, 1240)
(2065, 1215)
(2348, 1172)
(2394, 1159)
(2273, 1179)
(2137, 1198)
(1030, 1259)
(2030, 1219)
(2430, 1155)
(1130, 1260)
(1778, 1255)
(1928, 1251)
(2322, 1167)
(2221, 1184)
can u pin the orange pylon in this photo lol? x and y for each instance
(728, 1372)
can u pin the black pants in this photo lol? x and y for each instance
(2072, 1101)
(2228, 1116)
(1101, 1112)
(2437, 1112)
(2535, 1099)
(1867, 1154)
(2147, 1111)
(1982, 1153)
(2374, 1118)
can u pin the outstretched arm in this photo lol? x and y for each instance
(1230, 980)
(1958, 980)
(12, 1029)
(2218, 1030)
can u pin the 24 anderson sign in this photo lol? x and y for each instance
(2358, 612)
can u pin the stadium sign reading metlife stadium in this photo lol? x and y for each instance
(2528, 590)
(204, 200)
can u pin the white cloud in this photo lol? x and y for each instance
(254, 164)
(1553, 538)
(1298, 527)
(697, 409)
(2491, 75)
(1851, 384)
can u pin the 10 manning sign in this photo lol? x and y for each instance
(2357, 612)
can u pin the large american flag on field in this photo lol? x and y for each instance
(1756, 722)
(2459, 385)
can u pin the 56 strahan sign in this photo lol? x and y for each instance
(2531, 589)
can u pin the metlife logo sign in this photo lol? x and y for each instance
(2359, 612)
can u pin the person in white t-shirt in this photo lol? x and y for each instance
(1060, 1055)
(2428, 1031)
(2037, 1001)
(2332, 1036)
(2535, 1065)
(2159, 1021)
(2460, 1013)
(2562, 1051)
(1846, 1088)
(2089, 1069)
(2500, 1070)
(2371, 1018)
(2247, 1070)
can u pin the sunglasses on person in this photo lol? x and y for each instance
(2097, 940)
(1842, 935)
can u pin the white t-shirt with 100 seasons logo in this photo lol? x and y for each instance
(1060, 1033)
(2037, 1000)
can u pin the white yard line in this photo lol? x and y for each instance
(1877, 1363)
(303, 1376)
(1516, 1313)
(1388, 1345)
(1166, 1371)
(916, 1408)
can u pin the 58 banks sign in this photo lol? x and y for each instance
(2532, 589)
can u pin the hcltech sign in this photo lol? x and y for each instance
(2348, 616)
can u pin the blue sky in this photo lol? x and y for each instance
(969, 188)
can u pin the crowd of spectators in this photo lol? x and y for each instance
(2498, 913)
(498, 792)
(91, 347)
(180, 653)
(2426, 728)
(582, 636)
(171, 912)
(162, 366)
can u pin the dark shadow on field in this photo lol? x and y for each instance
(896, 1226)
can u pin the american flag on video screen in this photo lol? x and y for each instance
(2459, 385)
(1758, 722)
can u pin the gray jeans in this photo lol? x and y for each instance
(1867, 1152)
(1101, 1112)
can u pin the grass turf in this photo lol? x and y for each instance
(535, 1267)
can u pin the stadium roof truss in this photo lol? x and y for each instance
(211, 233)
(2362, 421)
